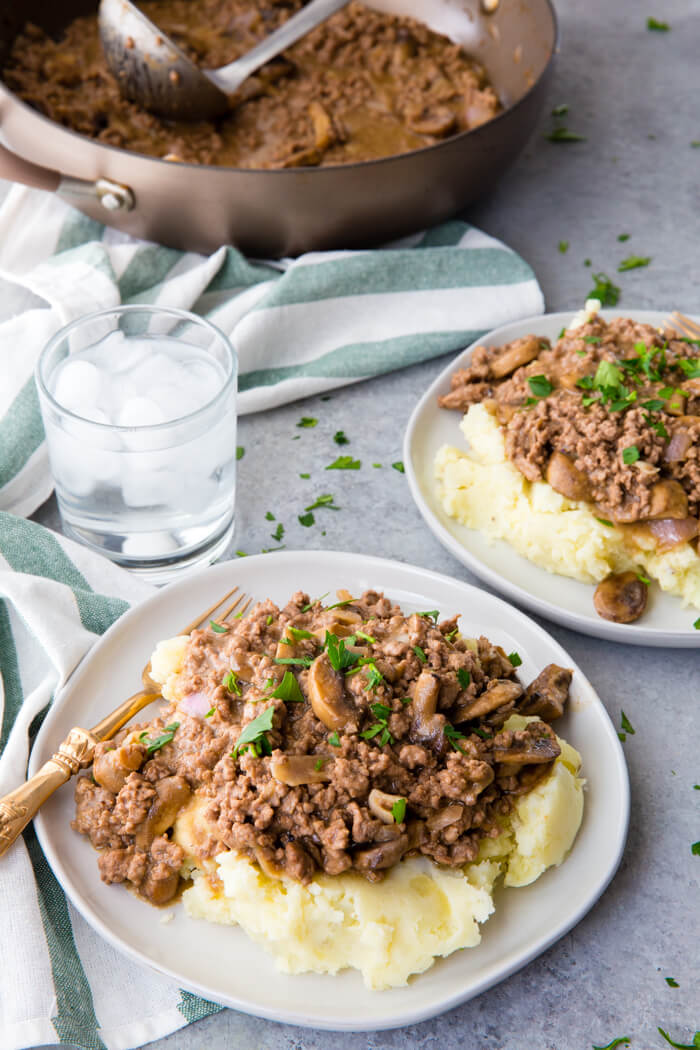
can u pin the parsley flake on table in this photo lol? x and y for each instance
(681, 1046)
(696, 625)
(307, 421)
(218, 628)
(633, 262)
(241, 554)
(306, 476)
(515, 659)
(398, 465)
(254, 736)
(230, 683)
(564, 135)
(159, 741)
(625, 724)
(671, 982)
(344, 463)
(540, 385)
(563, 247)
(270, 516)
(288, 690)
(240, 452)
(398, 810)
(340, 438)
(376, 465)
(561, 110)
(695, 849)
(655, 24)
(323, 501)
(604, 290)
(306, 519)
(278, 533)
(622, 1040)
(622, 237)
(630, 455)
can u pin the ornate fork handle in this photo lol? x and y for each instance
(18, 808)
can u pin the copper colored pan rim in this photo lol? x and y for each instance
(365, 165)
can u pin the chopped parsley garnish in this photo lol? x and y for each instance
(218, 628)
(159, 741)
(482, 733)
(564, 135)
(338, 656)
(691, 368)
(622, 1040)
(305, 476)
(241, 554)
(344, 463)
(323, 501)
(420, 653)
(594, 339)
(254, 735)
(660, 27)
(398, 810)
(430, 614)
(210, 712)
(288, 690)
(463, 677)
(515, 659)
(307, 421)
(318, 764)
(563, 247)
(452, 634)
(270, 516)
(278, 533)
(377, 465)
(671, 982)
(604, 290)
(604, 521)
(560, 111)
(230, 683)
(379, 728)
(633, 262)
(540, 386)
(681, 1046)
(625, 724)
(334, 739)
(642, 578)
(453, 736)
(696, 625)
(340, 438)
(695, 849)
(269, 620)
(297, 632)
(630, 454)
(622, 237)
(271, 550)
(314, 601)
(294, 661)
(306, 519)
(341, 605)
(366, 637)
(240, 452)
(398, 465)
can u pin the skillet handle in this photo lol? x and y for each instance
(113, 196)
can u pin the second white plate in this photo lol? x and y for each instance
(220, 962)
(566, 601)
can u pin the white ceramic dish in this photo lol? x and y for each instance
(220, 962)
(566, 601)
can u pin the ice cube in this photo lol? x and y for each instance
(150, 488)
(78, 386)
(204, 378)
(175, 401)
(139, 412)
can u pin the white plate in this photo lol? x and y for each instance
(569, 602)
(220, 962)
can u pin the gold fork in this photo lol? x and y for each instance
(684, 325)
(77, 750)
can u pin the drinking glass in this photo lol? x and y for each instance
(139, 409)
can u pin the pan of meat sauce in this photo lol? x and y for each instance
(584, 455)
(346, 782)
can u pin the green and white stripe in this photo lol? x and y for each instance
(300, 326)
(64, 983)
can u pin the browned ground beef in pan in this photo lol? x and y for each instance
(384, 739)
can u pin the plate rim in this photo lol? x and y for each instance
(629, 634)
(40, 751)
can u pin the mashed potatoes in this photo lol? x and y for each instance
(395, 928)
(482, 489)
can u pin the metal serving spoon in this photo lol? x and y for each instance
(152, 71)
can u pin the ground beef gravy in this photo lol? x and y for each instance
(609, 415)
(385, 740)
(362, 85)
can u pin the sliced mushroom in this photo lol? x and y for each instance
(547, 694)
(514, 355)
(111, 768)
(383, 855)
(284, 652)
(324, 135)
(300, 769)
(380, 804)
(498, 692)
(172, 793)
(428, 727)
(327, 694)
(567, 479)
(668, 500)
(444, 817)
(681, 440)
(530, 750)
(620, 597)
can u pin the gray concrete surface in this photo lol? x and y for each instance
(634, 95)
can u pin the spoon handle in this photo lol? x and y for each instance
(229, 77)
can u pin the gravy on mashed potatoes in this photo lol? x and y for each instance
(347, 783)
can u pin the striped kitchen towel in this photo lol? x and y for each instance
(61, 982)
(300, 326)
